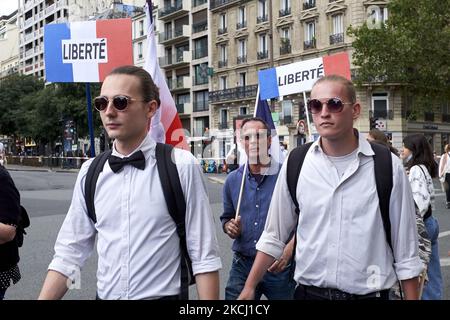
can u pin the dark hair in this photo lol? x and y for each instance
(266, 126)
(421, 153)
(348, 85)
(149, 90)
(379, 137)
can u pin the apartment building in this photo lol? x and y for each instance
(33, 15)
(9, 44)
(248, 36)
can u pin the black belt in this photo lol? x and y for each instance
(336, 294)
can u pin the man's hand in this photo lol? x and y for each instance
(233, 228)
(280, 264)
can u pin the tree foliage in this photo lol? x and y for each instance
(412, 48)
(31, 109)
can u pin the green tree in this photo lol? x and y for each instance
(412, 48)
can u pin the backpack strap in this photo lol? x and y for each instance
(174, 196)
(383, 178)
(294, 166)
(91, 181)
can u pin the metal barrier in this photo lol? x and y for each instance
(50, 162)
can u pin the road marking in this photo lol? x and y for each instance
(445, 262)
(444, 234)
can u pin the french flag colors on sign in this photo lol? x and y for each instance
(86, 51)
(300, 76)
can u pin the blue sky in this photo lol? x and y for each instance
(7, 7)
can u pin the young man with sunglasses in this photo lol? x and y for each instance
(341, 252)
(260, 180)
(138, 245)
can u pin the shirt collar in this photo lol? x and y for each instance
(364, 147)
(147, 146)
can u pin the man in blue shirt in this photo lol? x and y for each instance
(260, 178)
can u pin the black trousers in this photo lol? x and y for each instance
(315, 293)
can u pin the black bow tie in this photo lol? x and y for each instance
(137, 160)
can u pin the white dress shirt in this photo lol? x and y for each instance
(341, 241)
(138, 246)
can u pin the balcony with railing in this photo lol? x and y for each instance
(184, 108)
(223, 63)
(177, 59)
(241, 59)
(222, 4)
(50, 9)
(237, 93)
(285, 48)
(221, 31)
(262, 54)
(197, 3)
(309, 44)
(336, 38)
(261, 19)
(223, 125)
(199, 26)
(200, 52)
(284, 12)
(308, 4)
(180, 33)
(182, 83)
(241, 25)
(179, 8)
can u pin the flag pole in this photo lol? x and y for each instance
(90, 119)
(241, 191)
(308, 123)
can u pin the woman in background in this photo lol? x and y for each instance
(422, 168)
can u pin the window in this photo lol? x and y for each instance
(222, 23)
(310, 36)
(222, 56)
(140, 50)
(285, 7)
(241, 18)
(242, 49)
(380, 105)
(243, 110)
(223, 119)
(286, 107)
(262, 43)
(377, 15)
(262, 11)
(310, 31)
(141, 28)
(167, 31)
(242, 79)
(223, 82)
(200, 101)
(201, 74)
(337, 33)
(200, 48)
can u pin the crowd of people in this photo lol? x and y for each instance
(316, 241)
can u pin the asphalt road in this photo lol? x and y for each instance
(47, 195)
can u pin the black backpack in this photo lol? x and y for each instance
(383, 179)
(174, 197)
(23, 223)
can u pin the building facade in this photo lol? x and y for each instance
(248, 36)
(9, 44)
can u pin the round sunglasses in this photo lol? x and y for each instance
(120, 102)
(334, 105)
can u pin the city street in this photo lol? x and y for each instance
(47, 195)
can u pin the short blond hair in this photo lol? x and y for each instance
(348, 85)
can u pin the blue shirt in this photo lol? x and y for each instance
(254, 206)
